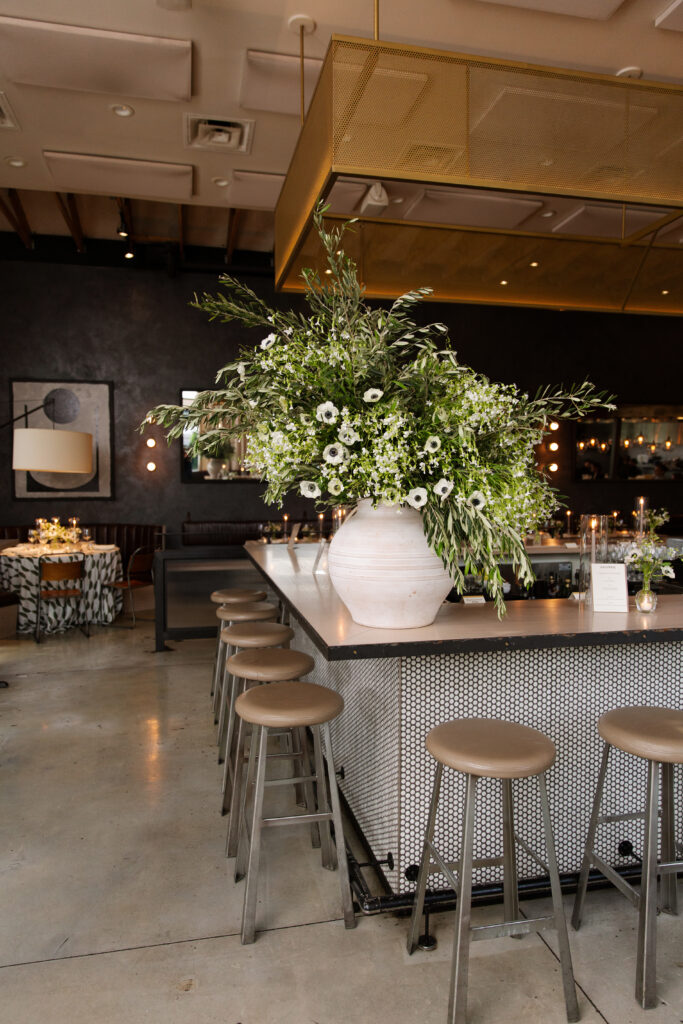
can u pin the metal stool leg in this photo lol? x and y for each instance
(558, 910)
(227, 689)
(229, 752)
(248, 934)
(240, 788)
(328, 860)
(510, 887)
(342, 865)
(309, 795)
(647, 916)
(457, 1004)
(590, 841)
(668, 886)
(241, 801)
(218, 681)
(418, 903)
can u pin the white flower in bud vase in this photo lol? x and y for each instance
(327, 412)
(477, 500)
(335, 486)
(348, 435)
(417, 497)
(668, 570)
(310, 489)
(334, 454)
(443, 488)
(432, 444)
(372, 395)
(269, 341)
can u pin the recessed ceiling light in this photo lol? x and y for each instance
(548, 213)
(534, 263)
(129, 254)
(665, 291)
(221, 182)
(503, 282)
(121, 110)
(15, 161)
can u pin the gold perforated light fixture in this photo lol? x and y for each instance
(490, 181)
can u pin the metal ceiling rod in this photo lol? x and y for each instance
(17, 218)
(69, 211)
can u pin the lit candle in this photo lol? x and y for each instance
(285, 521)
(321, 523)
(569, 521)
(55, 520)
(594, 524)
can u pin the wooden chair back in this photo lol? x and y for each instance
(54, 572)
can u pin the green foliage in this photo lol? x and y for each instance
(350, 402)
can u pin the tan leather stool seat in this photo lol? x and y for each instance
(492, 748)
(257, 634)
(653, 733)
(236, 595)
(285, 705)
(270, 666)
(249, 611)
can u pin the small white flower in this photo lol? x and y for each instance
(477, 500)
(443, 488)
(432, 444)
(267, 342)
(309, 489)
(372, 395)
(347, 434)
(335, 486)
(334, 454)
(241, 369)
(667, 570)
(417, 497)
(327, 412)
(305, 419)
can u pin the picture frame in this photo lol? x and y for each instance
(83, 405)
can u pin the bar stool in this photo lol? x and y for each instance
(501, 750)
(231, 595)
(291, 705)
(258, 666)
(250, 635)
(245, 611)
(656, 735)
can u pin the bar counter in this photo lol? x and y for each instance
(550, 664)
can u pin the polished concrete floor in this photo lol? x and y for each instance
(117, 903)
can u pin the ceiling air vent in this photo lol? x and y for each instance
(213, 133)
(7, 118)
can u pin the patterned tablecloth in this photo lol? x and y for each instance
(19, 572)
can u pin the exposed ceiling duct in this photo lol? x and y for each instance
(481, 163)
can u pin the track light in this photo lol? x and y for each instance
(122, 229)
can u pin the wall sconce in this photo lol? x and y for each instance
(150, 442)
(151, 466)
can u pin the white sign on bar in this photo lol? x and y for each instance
(608, 587)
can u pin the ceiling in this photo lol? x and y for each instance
(181, 66)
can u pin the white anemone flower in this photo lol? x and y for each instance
(347, 434)
(432, 444)
(241, 369)
(327, 412)
(667, 570)
(334, 454)
(309, 489)
(443, 488)
(477, 500)
(372, 395)
(335, 486)
(269, 341)
(417, 497)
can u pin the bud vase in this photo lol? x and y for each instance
(646, 600)
(383, 569)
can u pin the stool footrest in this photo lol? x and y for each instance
(622, 885)
(672, 867)
(297, 819)
(290, 781)
(509, 928)
(605, 819)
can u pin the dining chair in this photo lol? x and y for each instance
(51, 576)
(139, 574)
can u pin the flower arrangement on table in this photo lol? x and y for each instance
(55, 534)
(351, 402)
(648, 555)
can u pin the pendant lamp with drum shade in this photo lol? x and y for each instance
(51, 450)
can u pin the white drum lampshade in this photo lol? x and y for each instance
(52, 451)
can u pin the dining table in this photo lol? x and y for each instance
(20, 573)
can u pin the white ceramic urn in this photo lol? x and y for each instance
(384, 570)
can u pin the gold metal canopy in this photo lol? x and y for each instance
(494, 182)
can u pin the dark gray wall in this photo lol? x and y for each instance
(136, 328)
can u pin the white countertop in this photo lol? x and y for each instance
(457, 627)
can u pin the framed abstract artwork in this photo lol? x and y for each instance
(78, 405)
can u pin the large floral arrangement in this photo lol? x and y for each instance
(648, 555)
(351, 402)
